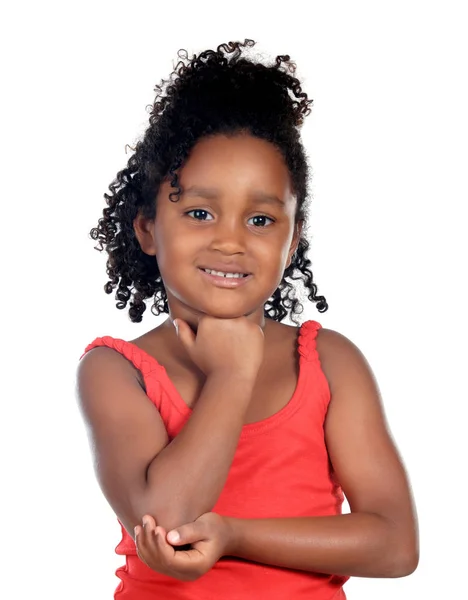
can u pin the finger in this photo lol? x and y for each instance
(185, 333)
(140, 543)
(187, 534)
(161, 547)
(149, 522)
(186, 566)
(144, 532)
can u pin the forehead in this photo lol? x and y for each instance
(239, 163)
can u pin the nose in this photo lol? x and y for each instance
(228, 235)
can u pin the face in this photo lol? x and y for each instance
(228, 221)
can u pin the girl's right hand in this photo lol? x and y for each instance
(230, 346)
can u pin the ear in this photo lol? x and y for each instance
(144, 232)
(295, 242)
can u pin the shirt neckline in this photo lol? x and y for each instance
(249, 428)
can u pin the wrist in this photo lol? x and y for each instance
(239, 377)
(232, 536)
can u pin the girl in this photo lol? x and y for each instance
(223, 439)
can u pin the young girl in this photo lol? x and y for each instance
(223, 439)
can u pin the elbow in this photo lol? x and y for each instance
(403, 568)
(167, 514)
(395, 565)
(409, 543)
(406, 561)
(408, 564)
(168, 520)
(169, 507)
(400, 551)
(171, 518)
(401, 548)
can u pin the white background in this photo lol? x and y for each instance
(387, 141)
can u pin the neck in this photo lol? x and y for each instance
(193, 320)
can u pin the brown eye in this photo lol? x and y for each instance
(197, 210)
(262, 217)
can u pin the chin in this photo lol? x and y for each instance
(224, 313)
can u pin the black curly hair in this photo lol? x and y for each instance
(216, 92)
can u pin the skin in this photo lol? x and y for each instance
(380, 537)
(236, 168)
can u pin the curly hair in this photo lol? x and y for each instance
(216, 92)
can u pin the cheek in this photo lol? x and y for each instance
(175, 255)
(273, 257)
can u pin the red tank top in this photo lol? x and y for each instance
(280, 469)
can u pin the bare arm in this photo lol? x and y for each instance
(137, 468)
(356, 544)
(380, 536)
(193, 468)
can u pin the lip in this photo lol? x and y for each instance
(225, 267)
(225, 282)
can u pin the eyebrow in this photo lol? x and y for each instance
(257, 197)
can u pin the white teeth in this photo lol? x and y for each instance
(221, 274)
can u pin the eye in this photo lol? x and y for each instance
(198, 210)
(262, 217)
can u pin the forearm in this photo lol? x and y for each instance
(186, 478)
(356, 544)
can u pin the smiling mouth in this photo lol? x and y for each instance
(217, 274)
(225, 282)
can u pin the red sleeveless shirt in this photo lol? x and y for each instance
(280, 469)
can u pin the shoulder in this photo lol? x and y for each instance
(103, 359)
(340, 358)
(331, 340)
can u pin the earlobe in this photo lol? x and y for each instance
(143, 229)
(295, 243)
(290, 259)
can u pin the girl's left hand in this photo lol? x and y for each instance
(210, 537)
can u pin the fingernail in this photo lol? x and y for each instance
(173, 537)
(176, 325)
(145, 521)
